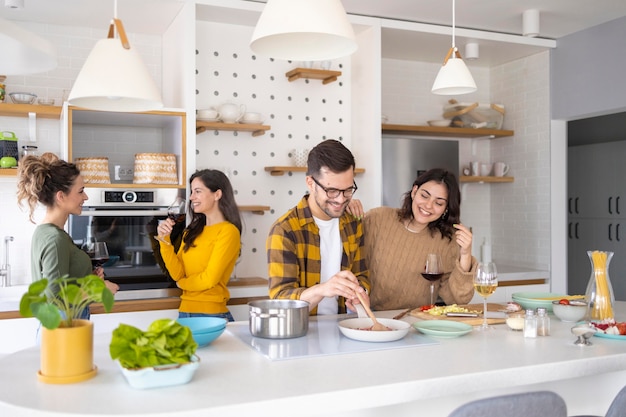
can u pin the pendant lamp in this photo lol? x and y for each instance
(453, 78)
(114, 78)
(24, 52)
(303, 30)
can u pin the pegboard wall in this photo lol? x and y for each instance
(301, 114)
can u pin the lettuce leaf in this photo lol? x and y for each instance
(165, 342)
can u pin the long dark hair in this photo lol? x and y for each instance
(213, 180)
(452, 214)
(41, 177)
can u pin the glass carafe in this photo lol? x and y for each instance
(599, 294)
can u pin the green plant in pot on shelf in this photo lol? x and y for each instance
(60, 302)
(66, 340)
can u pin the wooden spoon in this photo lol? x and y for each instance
(377, 326)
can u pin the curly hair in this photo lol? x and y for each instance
(451, 216)
(41, 177)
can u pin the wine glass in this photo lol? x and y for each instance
(433, 271)
(177, 212)
(485, 284)
(100, 254)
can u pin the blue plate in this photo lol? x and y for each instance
(442, 328)
(609, 336)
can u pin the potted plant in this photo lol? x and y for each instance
(66, 340)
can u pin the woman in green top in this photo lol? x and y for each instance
(58, 186)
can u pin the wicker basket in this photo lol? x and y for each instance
(95, 170)
(155, 168)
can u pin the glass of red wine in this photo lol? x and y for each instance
(176, 211)
(433, 271)
(100, 254)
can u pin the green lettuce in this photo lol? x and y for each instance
(165, 342)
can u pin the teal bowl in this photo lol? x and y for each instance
(205, 339)
(534, 300)
(199, 325)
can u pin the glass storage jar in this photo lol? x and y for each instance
(599, 295)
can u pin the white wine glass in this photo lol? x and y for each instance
(177, 211)
(485, 284)
(433, 271)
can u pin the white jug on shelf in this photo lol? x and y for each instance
(231, 113)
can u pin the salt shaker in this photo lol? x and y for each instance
(543, 322)
(530, 324)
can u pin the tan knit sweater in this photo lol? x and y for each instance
(396, 259)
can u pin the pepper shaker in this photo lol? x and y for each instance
(543, 322)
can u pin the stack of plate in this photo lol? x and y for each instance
(534, 300)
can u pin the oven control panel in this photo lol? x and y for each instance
(129, 197)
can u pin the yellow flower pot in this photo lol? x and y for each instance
(67, 354)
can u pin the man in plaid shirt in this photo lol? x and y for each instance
(315, 250)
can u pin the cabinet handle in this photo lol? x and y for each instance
(576, 231)
(610, 227)
(576, 205)
(569, 205)
(617, 231)
(610, 198)
(617, 205)
(569, 230)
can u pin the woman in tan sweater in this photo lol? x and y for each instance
(398, 240)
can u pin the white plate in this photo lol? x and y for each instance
(251, 122)
(442, 328)
(208, 120)
(351, 328)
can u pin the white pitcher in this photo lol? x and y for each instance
(231, 113)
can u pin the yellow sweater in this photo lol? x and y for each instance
(202, 272)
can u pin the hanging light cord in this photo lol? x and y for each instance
(453, 24)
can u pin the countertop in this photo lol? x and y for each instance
(235, 380)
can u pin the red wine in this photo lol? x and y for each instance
(177, 217)
(96, 262)
(432, 277)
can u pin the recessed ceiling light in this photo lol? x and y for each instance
(14, 4)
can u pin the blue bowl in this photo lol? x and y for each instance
(199, 325)
(204, 339)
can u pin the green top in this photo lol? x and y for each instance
(54, 254)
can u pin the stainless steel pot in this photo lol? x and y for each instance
(279, 319)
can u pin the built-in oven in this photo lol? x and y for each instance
(126, 220)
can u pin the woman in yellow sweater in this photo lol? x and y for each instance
(210, 247)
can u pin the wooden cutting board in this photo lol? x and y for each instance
(472, 321)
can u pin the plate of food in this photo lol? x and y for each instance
(360, 329)
(440, 328)
(610, 330)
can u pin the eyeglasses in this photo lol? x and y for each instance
(334, 192)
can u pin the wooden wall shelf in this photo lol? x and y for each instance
(256, 129)
(22, 110)
(255, 209)
(449, 132)
(277, 171)
(326, 76)
(471, 178)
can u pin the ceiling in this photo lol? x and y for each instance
(558, 18)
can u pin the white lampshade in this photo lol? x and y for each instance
(24, 52)
(115, 79)
(454, 78)
(303, 30)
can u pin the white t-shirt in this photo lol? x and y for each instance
(330, 253)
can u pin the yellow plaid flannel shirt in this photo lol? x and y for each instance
(293, 253)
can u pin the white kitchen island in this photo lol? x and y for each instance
(430, 380)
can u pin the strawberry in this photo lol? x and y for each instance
(622, 328)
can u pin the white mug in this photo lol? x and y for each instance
(474, 169)
(500, 169)
(485, 169)
(300, 157)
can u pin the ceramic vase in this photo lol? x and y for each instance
(67, 354)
